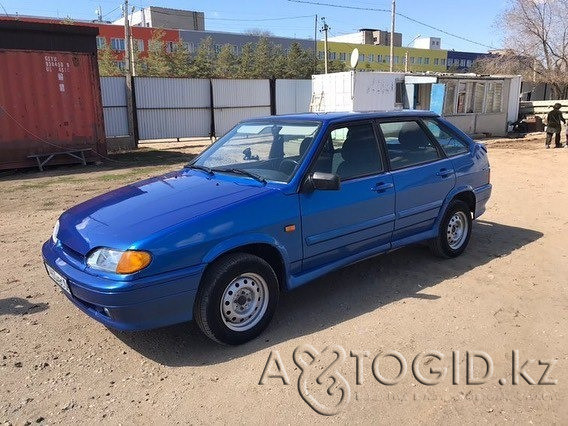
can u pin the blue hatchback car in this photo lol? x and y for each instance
(270, 206)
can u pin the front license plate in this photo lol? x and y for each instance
(59, 279)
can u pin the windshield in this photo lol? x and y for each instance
(265, 150)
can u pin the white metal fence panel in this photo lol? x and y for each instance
(226, 118)
(113, 93)
(172, 107)
(236, 100)
(293, 96)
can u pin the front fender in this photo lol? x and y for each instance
(236, 242)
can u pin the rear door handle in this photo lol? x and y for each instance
(445, 172)
(382, 186)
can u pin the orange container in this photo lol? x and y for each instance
(50, 99)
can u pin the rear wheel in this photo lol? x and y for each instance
(454, 231)
(237, 298)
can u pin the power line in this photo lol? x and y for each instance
(113, 10)
(372, 9)
(4, 9)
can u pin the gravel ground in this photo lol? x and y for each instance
(507, 292)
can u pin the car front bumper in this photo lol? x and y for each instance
(146, 303)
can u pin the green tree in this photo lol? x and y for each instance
(300, 63)
(246, 62)
(158, 61)
(180, 60)
(203, 62)
(262, 59)
(226, 63)
(107, 62)
(139, 62)
(279, 62)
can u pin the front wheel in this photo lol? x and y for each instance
(237, 298)
(454, 232)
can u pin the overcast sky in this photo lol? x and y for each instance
(475, 20)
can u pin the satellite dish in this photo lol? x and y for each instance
(354, 58)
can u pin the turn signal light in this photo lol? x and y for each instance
(133, 261)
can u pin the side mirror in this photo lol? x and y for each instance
(324, 181)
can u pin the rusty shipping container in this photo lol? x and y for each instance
(50, 98)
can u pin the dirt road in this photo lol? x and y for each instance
(507, 292)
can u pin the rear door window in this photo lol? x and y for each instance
(449, 142)
(408, 144)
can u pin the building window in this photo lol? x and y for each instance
(399, 93)
(120, 65)
(442, 62)
(320, 55)
(419, 60)
(469, 63)
(117, 43)
(412, 59)
(462, 62)
(396, 59)
(436, 61)
(361, 57)
(171, 46)
(426, 61)
(342, 56)
(235, 49)
(379, 58)
(477, 98)
(493, 102)
(101, 42)
(449, 97)
(331, 56)
(139, 44)
(371, 57)
(216, 48)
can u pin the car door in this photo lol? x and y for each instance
(357, 217)
(422, 175)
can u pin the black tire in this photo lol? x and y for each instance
(440, 245)
(217, 279)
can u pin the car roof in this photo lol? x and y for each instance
(343, 116)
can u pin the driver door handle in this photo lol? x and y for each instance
(382, 186)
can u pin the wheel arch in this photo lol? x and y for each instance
(265, 247)
(464, 193)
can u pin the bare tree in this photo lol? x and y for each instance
(536, 41)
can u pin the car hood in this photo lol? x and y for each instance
(126, 216)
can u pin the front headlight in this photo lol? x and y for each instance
(55, 232)
(118, 261)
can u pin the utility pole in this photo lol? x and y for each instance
(99, 13)
(391, 68)
(316, 45)
(128, 76)
(406, 62)
(325, 29)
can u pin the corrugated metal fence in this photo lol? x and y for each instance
(182, 107)
(113, 91)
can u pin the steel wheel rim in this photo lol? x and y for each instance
(244, 302)
(457, 230)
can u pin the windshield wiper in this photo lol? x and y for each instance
(207, 170)
(244, 173)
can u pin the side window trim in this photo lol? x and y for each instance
(334, 126)
(447, 130)
(417, 120)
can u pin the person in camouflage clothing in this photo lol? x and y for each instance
(554, 122)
